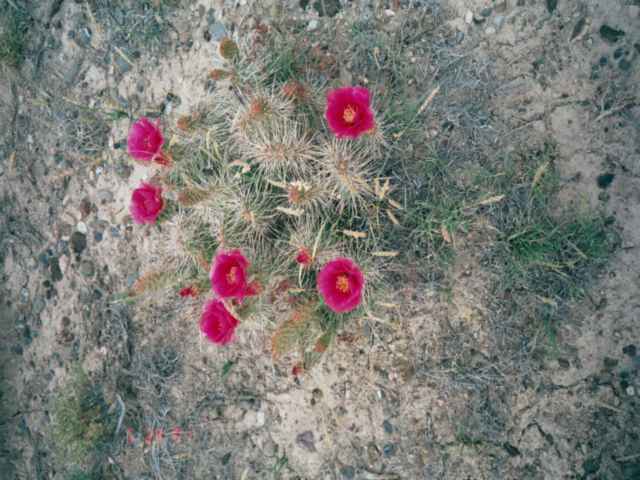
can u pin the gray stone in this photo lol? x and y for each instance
(78, 242)
(468, 17)
(625, 65)
(104, 196)
(38, 305)
(43, 259)
(56, 272)
(348, 472)
(327, 7)
(217, 31)
(83, 37)
(121, 63)
(306, 440)
(388, 428)
(490, 31)
(211, 16)
(501, 7)
(630, 350)
(389, 450)
(499, 21)
(87, 268)
(65, 229)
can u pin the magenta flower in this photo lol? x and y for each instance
(349, 112)
(146, 203)
(145, 142)
(217, 324)
(340, 283)
(189, 291)
(304, 257)
(229, 275)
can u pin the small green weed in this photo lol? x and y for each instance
(79, 475)
(13, 31)
(438, 214)
(81, 423)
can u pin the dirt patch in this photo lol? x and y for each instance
(452, 385)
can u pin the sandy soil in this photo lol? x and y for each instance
(386, 405)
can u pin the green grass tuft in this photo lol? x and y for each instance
(543, 250)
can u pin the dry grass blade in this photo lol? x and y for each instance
(491, 200)
(428, 100)
(354, 234)
(292, 212)
(542, 169)
(389, 254)
(392, 217)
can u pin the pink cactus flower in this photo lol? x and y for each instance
(145, 142)
(217, 324)
(146, 203)
(340, 283)
(349, 113)
(229, 275)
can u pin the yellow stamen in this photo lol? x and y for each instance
(342, 283)
(349, 114)
(232, 275)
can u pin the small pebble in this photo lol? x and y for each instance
(389, 450)
(313, 24)
(82, 228)
(306, 440)
(631, 391)
(97, 236)
(38, 306)
(630, 350)
(388, 428)
(217, 31)
(78, 242)
(87, 268)
(490, 31)
(486, 12)
(56, 271)
(348, 472)
(104, 196)
(605, 179)
(618, 53)
(43, 258)
(625, 65)
(468, 17)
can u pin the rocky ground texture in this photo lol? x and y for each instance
(434, 391)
